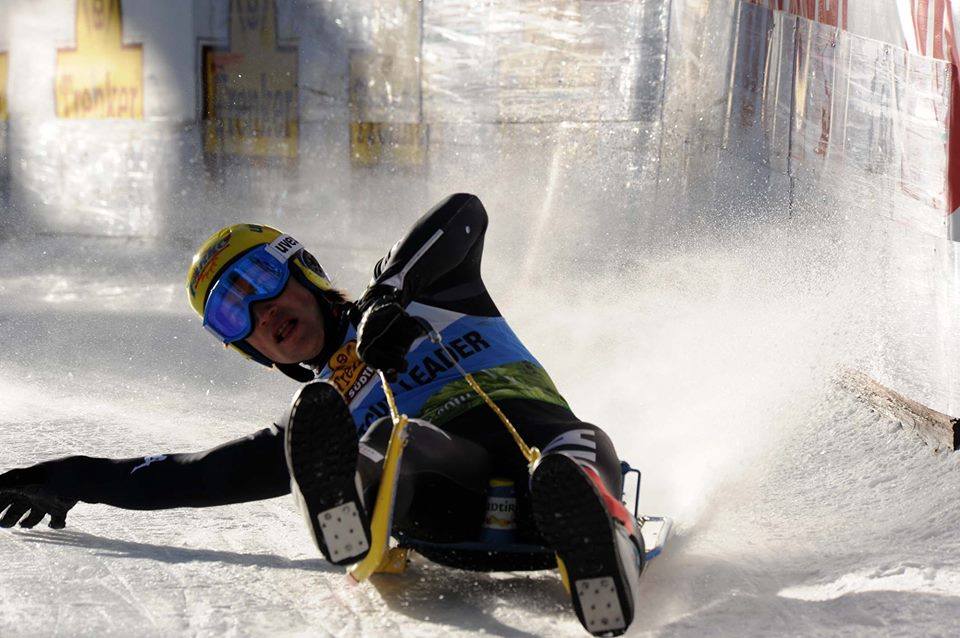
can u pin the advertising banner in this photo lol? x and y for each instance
(250, 94)
(4, 61)
(508, 61)
(101, 77)
(852, 101)
(386, 111)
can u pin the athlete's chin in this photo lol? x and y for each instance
(300, 351)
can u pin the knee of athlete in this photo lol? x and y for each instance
(590, 446)
(424, 441)
(421, 435)
(583, 442)
(421, 432)
(605, 447)
(373, 450)
(378, 434)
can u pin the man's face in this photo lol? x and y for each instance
(289, 327)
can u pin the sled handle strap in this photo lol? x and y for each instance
(380, 557)
(531, 454)
(391, 401)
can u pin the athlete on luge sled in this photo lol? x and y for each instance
(260, 292)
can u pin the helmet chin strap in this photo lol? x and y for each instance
(295, 371)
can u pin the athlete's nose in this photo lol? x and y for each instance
(263, 311)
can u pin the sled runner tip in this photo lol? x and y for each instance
(656, 530)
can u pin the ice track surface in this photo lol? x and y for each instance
(808, 515)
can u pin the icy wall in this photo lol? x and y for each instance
(835, 124)
(100, 155)
(373, 105)
(592, 129)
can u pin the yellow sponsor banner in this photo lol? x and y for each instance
(101, 78)
(251, 103)
(4, 58)
(384, 94)
(374, 143)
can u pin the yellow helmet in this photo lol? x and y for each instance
(229, 244)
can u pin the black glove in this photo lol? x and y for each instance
(32, 491)
(385, 334)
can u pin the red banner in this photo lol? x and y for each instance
(927, 30)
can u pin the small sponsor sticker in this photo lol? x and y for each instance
(501, 513)
(206, 265)
(348, 372)
(283, 247)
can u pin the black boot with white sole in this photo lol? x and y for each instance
(321, 447)
(596, 539)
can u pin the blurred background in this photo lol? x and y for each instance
(700, 211)
(684, 194)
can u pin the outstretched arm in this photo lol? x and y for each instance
(438, 261)
(246, 469)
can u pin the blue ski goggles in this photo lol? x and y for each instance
(257, 275)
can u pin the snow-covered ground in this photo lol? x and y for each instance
(798, 510)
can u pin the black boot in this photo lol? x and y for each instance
(321, 447)
(596, 539)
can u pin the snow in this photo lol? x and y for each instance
(701, 325)
(798, 510)
(847, 534)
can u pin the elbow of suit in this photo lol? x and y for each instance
(467, 208)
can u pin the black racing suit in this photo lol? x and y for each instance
(457, 444)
